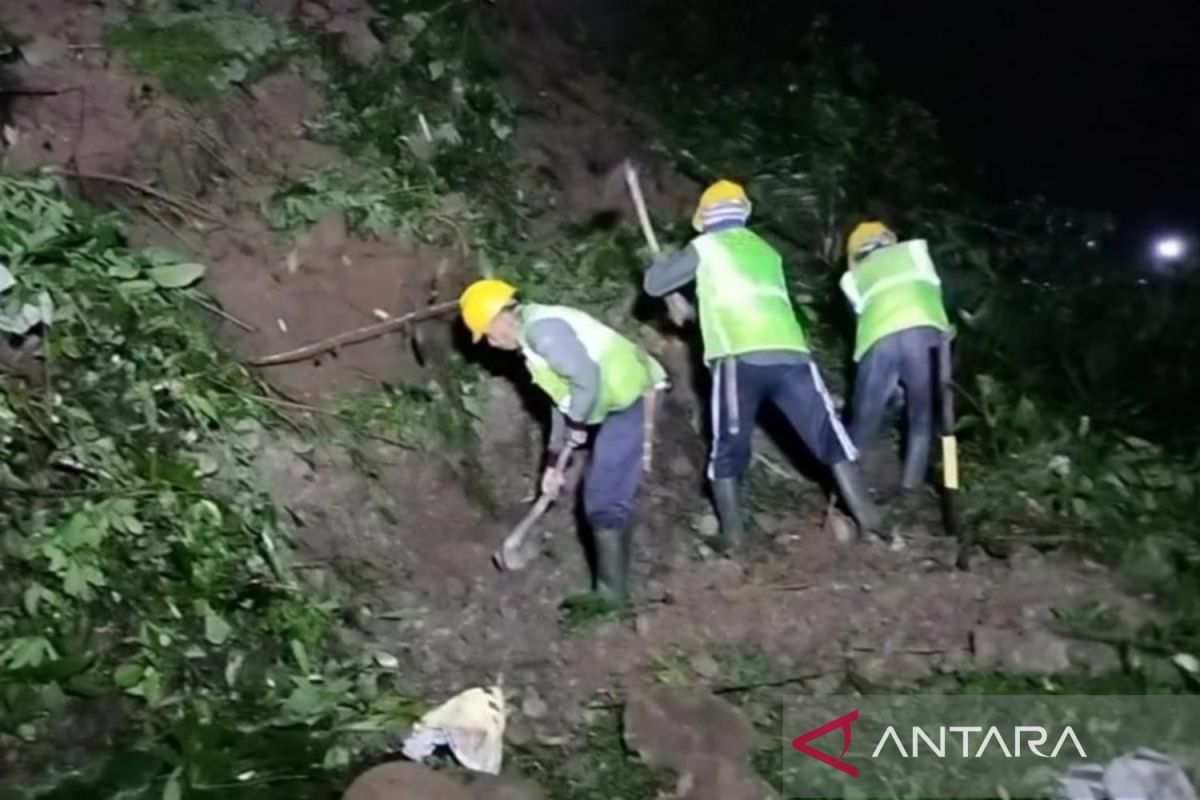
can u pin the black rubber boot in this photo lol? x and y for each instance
(729, 513)
(858, 500)
(612, 563)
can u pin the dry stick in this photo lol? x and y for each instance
(720, 689)
(353, 337)
(223, 314)
(180, 203)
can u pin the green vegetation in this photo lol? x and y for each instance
(197, 53)
(142, 564)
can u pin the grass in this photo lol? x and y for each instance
(185, 56)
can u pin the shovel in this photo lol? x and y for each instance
(513, 554)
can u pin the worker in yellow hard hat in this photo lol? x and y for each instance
(757, 352)
(597, 380)
(897, 296)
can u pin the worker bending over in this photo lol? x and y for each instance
(757, 351)
(596, 378)
(897, 296)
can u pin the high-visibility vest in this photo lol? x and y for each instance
(744, 302)
(627, 371)
(893, 289)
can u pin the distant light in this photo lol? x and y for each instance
(1170, 248)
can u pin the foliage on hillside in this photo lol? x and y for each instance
(141, 559)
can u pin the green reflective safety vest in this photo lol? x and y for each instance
(627, 371)
(743, 297)
(893, 289)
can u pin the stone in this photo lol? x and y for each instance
(680, 467)
(405, 782)
(533, 706)
(673, 727)
(504, 787)
(707, 525)
(43, 50)
(705, 666)
(1022, 652)
(358, 43)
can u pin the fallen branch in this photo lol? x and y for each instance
(178, 202)
(721, 689)
(223, 314)
(353, 337)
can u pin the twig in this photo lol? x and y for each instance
(180, 203)
(37, 91)
(354, 336)
(721, 689)
(223, 314)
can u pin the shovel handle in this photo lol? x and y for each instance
(508, 557)
(680, 309)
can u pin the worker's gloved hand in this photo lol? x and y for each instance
(552, 482)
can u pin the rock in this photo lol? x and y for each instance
(503, 787)
(358, 43)
(705, 666)
(707, 525)
(673, 727)
(680, 467)
(405, 782)
(533, 706)
(43, 50)
(1095, 658)
(1024, 653)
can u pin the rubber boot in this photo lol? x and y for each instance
(858, 500)
(916, 462)
(729, 513)
(612, 563)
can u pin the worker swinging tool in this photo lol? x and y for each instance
(757, 351)
(902, 347)
(596, 379)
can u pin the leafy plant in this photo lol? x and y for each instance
(141, 559)
(198, 53)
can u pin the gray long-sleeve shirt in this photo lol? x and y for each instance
(672, 273)
(555, 341)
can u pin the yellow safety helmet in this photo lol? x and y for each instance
(865, 232)
(481, 302)
(720, 192)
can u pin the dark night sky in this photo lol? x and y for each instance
(1097, 108)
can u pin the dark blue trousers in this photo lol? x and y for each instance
(900, 363)
(739, 389)
(614, 473)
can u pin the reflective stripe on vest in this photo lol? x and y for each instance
(744, 302)
(893, 289)
(626, 370)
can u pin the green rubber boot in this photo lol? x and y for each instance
(612, 563)
(729, 513)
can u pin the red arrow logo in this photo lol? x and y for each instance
(842, 723)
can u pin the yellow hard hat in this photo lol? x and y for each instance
(865, 232)
(481, 302)
(720, 192)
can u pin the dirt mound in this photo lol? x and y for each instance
(195, 179)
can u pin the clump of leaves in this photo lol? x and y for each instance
(198, 53)
(140, 558)
(386, 203)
